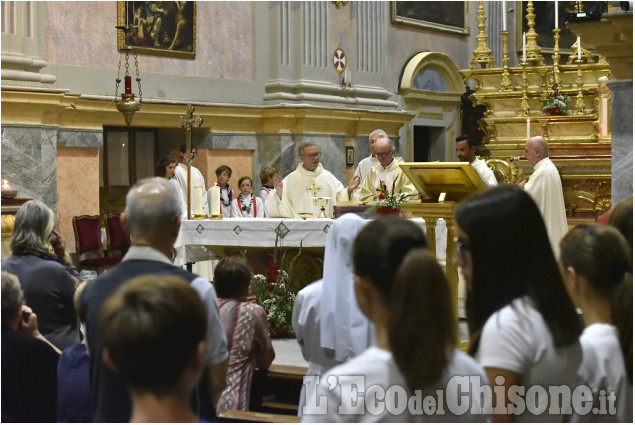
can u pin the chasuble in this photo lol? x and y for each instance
(390, 174)
(299, 187)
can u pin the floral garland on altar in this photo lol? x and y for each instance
(555, 103)
(389, 202)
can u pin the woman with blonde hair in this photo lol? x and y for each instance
(46, 274)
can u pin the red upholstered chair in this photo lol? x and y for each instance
(118, 239)
(87, 230)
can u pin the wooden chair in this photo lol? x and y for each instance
(118, 239)
(87, 230)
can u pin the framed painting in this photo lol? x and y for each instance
(545, 23)
(161, 28)
(350, 155)
(448, 16)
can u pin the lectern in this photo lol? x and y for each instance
(442, 186)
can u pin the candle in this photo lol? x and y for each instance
(579, 50)
(197, 200)
(528, 129)
(215, 200)
(524, 47)
(556, 6)
(5, 184)
(128, 82)
(504, 17)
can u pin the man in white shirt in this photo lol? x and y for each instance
(180, 175)
(297, 193)
(364, 166)
(545, 188)
(386, 174)
(466, 152)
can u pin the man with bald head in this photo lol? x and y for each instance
(364, 166)
(545, 188)
(386, 175)
(152, 218)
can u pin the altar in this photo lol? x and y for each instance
(203, 240)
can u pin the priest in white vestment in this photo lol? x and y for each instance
(364, 166)
(387, 174)
(545, 188)
(297, 192)
(466, 151)
(180, 175)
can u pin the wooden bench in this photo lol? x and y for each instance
(248, 416)
(277, 390)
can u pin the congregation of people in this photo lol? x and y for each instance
(147, 341)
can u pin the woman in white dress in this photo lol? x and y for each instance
(363, 388)
(246, 205)
(524, 328)
(596, 265)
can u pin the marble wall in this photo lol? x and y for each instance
(622, 141)
(29, 161)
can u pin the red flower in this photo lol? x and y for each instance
(381, 196)
(272, 271)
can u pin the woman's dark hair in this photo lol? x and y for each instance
(602, 255)
(166, 160)
(421, 322)
(622, 219)
(512, 258)
(381, 247)
(152, 327)
(231, 276)
(243, 178)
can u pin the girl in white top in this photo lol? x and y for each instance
(166, 168)
(596, 265)
(524, 328)
(246, 204)
(410, 306)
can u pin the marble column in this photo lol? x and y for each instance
(622, 142)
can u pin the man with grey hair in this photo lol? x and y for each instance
(152, 217)
(364, 166)
(387, 175)
(297, 193)
(545, 188)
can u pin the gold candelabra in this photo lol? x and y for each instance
(506, 83)
(579, 101)
(556, 56)
(524, 104)
(482, 54)
(532, 49)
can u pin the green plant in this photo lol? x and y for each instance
(274, 296)
(389, 200)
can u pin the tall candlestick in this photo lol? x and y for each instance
(525, 47)
(215, 210)
(579, 50)
(528, 129)
(504, 17)
(556, 8)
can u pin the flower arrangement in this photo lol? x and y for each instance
(389, 202)
(555, 103)
(272, 293)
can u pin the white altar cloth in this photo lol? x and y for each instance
(251, 233)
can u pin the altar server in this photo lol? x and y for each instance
(197, 179)
(246, 204)
(466, 151)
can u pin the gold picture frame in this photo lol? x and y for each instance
(162, 28)
(350, 155)
(449, 16)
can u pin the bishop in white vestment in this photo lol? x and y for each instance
(301, 187)
(545, 188)
(387, 173)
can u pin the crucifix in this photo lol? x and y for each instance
(314, 189)
(188, 121)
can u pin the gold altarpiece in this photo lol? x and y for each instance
(579, 142)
